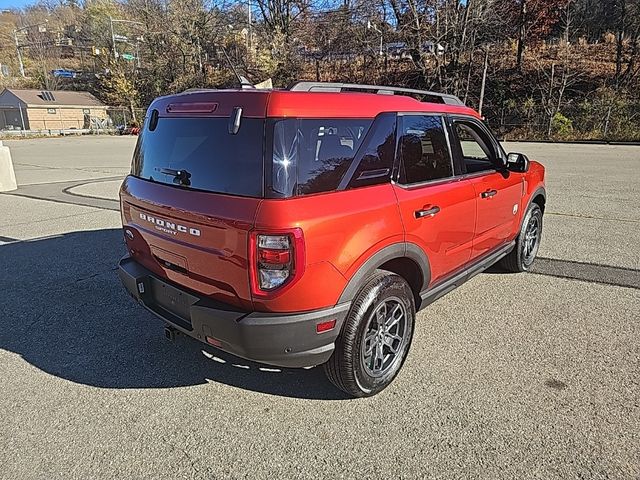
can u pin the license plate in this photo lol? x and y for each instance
(171, 299)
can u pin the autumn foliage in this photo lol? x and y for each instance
(540, 61)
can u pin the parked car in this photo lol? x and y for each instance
(127, 130)
(63, 73)
(307, 226)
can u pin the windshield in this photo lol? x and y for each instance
(200, 153)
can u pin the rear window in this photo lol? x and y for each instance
(200, 153)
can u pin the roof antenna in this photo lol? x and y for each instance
(244, 83)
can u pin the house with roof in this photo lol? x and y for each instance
(49, 110)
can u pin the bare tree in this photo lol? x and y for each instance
(552, 87)
(279, 15)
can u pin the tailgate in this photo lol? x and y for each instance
(196, 239)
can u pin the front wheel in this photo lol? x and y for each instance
(527, 244)
(376, 336)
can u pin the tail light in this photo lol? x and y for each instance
(277, 260)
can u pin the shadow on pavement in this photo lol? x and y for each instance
(583, 271)
(64, 311)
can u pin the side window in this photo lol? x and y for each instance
(374, 160)
(477, 150)
(285, 157)
(424, 152)
(313, 155)
(326, 150)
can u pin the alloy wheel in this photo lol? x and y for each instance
(385, 337)
(531, 240)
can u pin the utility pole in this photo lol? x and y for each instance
(199, 55)
(373, 26)
(484, 80)
(113, 39)
(15, 37)
(249, 29)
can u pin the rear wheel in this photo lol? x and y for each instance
(376, 336)
(523, 255)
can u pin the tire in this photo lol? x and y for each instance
(383, 313)
(521, 258)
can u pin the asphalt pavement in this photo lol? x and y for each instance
(527, 376)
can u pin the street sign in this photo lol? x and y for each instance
(128, 56)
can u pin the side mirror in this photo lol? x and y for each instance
(518, 162)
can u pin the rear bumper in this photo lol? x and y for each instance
(285, 340)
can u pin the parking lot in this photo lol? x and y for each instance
(533, 375)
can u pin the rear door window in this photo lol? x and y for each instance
(424, 149)
(200, 153)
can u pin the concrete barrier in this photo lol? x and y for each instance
(7, 175)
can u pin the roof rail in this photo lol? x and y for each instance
(428, 96)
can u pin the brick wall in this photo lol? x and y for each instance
(57, 118)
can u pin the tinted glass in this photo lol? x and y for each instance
(374, 160)
(312, 156)
(200, 153)
(476, 147)
(424, 151)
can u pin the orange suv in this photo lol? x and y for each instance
(307, 226)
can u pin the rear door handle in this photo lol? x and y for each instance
(489, 193)
(427, 212)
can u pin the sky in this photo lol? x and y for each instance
(14, 3)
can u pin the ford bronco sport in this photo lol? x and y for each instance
(308, 226)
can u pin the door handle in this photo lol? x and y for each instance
(427, 212)
(489, 194)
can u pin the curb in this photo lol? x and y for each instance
(569, 142)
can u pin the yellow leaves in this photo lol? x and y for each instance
(119, 89)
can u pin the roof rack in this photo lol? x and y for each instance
(428, 96)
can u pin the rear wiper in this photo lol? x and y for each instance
(180, 177)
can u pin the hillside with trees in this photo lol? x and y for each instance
(537, 69)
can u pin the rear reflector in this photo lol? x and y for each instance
(274, 257)
(325, 326)
(213, 341)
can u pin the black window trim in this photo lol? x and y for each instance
(348, 178)
(395, 179)
(501, 155)
(427, 183)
